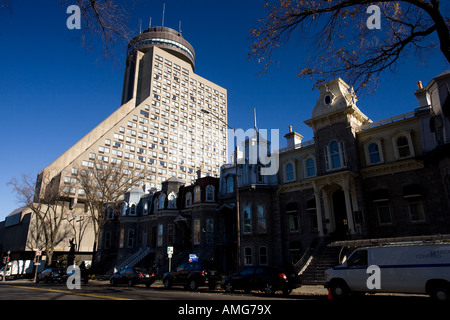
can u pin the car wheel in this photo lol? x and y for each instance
(130, 283)
(268, 289)
(339, 290)
(439, 293)
(167, 283)
(112, 282)
(228, 287)
(193, 285)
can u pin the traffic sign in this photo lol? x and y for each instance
(169, 250)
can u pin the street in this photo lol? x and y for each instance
(101, 290)
(204, 303)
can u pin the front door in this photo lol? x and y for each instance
(340, 215)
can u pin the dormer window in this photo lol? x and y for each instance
(403, 146)
(289, 172)
(310, 165)
(188, 199)
(374, 152)
(210, 193)
(172, 201)
(162, 197)
(197, 194)
(327, 99)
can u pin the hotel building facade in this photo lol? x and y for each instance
(159, 129)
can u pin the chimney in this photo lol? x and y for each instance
(200, 173)
(422, 95)
(419, 85)
(293, 139)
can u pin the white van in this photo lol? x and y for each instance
(19, 268)
(399, 268)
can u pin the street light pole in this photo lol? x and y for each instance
(236, 183)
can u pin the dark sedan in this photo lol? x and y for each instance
(50, 275)
(264, 278)
(132, 276)
(193, 275)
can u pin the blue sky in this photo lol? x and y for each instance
(53, 90)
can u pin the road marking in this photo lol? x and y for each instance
(71, 292)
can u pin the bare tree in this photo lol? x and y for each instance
(344, 45)
(105, 184)
(106, 19)
(103, 18)
(47, 227)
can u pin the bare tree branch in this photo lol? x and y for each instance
(344, 45)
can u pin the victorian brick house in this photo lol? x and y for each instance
(356, 179)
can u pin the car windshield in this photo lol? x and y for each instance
(247, 271)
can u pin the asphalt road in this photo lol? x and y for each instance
(178, 303)
(13, 290)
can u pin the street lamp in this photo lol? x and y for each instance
(236, 182)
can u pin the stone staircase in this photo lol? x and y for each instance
(321, 259)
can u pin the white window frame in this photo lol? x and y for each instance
(380, 151)
(406, 134)
(341, 152)
(305, 165)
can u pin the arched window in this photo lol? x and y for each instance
(310, 167)
(403, 147)
(197, 194)
(335, 155)
(374, 153)
(230, 184)
(289, 170)
(210, 192)
(133, 210)
(172, 201)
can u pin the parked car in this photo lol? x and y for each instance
(84, 276)
(265, 278)
(132, 276)
(50, 275)
(193, 275)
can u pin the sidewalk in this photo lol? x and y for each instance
(311, 290)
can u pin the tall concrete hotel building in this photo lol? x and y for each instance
(159, 129)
